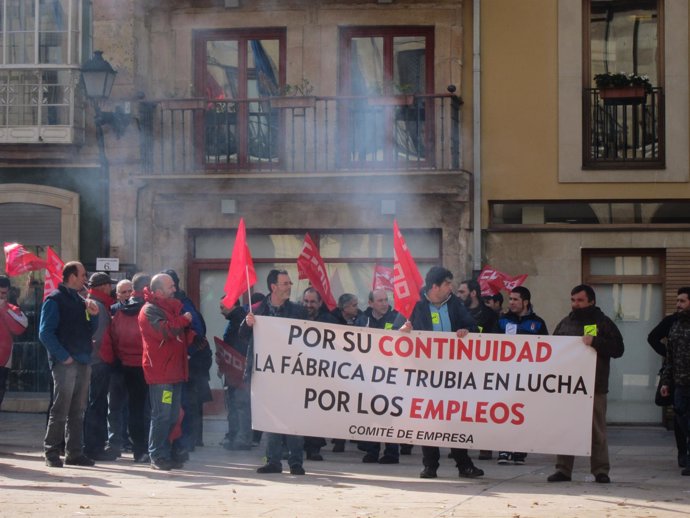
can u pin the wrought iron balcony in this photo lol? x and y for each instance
(301, 134)
(625, 131)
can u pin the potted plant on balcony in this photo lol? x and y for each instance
(622, 88)
(295, 96)
(403, 96)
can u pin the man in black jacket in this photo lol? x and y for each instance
(599, 332)
(277, 304)
(658, 338)
(440, 310)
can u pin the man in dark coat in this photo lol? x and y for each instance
(440, 310)
(599, 332)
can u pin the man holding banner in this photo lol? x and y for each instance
(440, 310)
(278, 304)
(600, 333)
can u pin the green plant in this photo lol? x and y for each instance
(303, 89)
(621, 80)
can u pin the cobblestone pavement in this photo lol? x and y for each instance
(216, 482)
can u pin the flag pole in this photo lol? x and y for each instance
(249, 288)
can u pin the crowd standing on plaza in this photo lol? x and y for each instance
(131, 366)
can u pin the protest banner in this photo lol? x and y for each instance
(483, 391)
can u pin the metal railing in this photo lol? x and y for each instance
(301, 134)
(624, 131)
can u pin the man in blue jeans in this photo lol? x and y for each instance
(68, 323)
(278, 304)
(166, 335)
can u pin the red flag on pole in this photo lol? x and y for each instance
(19, 260)
(241, 273)
(310, 266)
(492, 281)
(407, 282)
(54, 266)
(383, 278)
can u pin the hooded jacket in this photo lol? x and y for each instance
(165, 334)
(123, 340)
(608, 342)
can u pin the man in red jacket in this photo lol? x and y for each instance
(165, 333)
(12, 323)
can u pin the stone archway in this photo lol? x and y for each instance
(66, 201)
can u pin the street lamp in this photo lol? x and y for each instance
(98, 77)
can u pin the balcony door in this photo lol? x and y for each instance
(236, 71)
(384, 74)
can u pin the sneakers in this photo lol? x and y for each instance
(558, 477)
(504, 457)
(339, 447)
(53, 461)
(470, 471)
(602, 478)
(314, 456)
(180, 455)
(428, 472)
(297, 470)
(270, 468)
(142, 458)
(370, 458)
(79, 460)
(685, 472)
(162, 464)
(519, 458)
(387, 459)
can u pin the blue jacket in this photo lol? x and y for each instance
(66, 329)
(529, 324)
(460, 318)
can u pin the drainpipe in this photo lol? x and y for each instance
(476, 140)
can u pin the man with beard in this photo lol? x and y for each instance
(658, 339)
(676, 372)
(439, 310)
(599, 332)
(470, 294)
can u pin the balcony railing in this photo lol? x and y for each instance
(301, 134)
(625, 133)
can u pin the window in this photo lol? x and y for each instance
(235, 71)
(377, 63)
(629, 289)
(40, 57)
(623, 128)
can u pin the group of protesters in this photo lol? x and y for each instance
(132, 366)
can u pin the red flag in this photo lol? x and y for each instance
(241, 273)
(407, 282)
(492, 281)
(310, 266)
(54, 266)
(230, 363)
(383, 278)
(19, 260)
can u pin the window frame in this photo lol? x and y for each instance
(591, 163)
(387, 33)
(243, 36)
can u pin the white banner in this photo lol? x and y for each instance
(485, 391)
